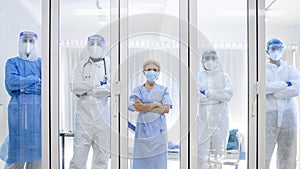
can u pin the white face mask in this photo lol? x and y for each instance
(27, 51)
(96, 51)
(27, 48)
(275, 55)
(210, 65)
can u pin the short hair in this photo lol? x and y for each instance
(151, 61)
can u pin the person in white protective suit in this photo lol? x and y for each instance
(215, 90)
(282, 85)
(91, 84)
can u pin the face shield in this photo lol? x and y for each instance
(275, 49)
(275, 52)
(210, 60)
(27, 42)
(96, 46)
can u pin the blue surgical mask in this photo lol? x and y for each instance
(151, 75)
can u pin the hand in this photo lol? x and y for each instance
(102, 83)
(202, 92)
(84, 94)
(289, 83)
(138, 102)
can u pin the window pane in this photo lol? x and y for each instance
(153, 138)
(222, 120)
(20, 83)
(84, 91)
(282, 39)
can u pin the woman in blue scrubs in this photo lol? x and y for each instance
(152, 101)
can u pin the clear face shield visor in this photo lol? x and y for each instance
(27, 42)
(96, 46)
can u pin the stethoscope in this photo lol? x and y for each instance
(90, 62)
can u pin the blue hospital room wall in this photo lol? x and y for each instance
(15, 16)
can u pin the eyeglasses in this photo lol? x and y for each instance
(155, 70)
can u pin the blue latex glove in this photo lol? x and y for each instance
(102, 83)
(289, 84)
(84, 94)
(202, 92)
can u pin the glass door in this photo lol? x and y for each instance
(84, 84)
(21, 81)
(282, 105)
(220, 86)
(153, 81)
(183, 84)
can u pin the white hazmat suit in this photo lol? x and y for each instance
(92, 121)
(282, 85)
(215, 90)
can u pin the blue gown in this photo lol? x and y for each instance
(150, 143)
(23, 84)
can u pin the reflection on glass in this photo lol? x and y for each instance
(23, 83)
(91, 85)
(152, 101)
(282, 85)
(215, 90)
(231, 47)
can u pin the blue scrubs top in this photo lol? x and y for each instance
(23, 84)
(150, 144)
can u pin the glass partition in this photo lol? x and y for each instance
(220, 134)
(153, 48)
(20, 83)
(282, 106)
(84, 83)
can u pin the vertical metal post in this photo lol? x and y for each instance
(45, 85)
(115, 83)
(184, 81)
(261, 82)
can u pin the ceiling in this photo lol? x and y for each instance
(84, 16)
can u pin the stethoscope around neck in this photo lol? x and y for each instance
(90, 62)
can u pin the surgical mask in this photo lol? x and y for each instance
(27, 51)
(275, 55)
(151, 75)
(96, 51)
(210, 65)
(27, 48)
